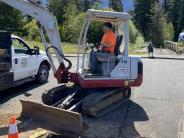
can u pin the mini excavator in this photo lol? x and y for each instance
(82, 92)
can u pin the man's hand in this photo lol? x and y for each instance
(106, 45)
(102, 46)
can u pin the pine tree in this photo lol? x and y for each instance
(58, 7)
(142, 17)
(157, 24)
(11, 19)
(176, 16)
(174, 10)
(167, 5)
(116, 5)
(84, 5)
(181, 26)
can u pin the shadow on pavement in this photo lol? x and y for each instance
(16, 91)
(119, 123)
(135, 113)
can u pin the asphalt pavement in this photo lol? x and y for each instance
(155, 110)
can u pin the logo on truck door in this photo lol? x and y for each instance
(24, 63)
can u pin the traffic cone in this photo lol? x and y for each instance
(13, 131)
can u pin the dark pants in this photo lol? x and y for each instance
(93, 62)
(150, 50)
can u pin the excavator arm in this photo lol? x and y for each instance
(51, 118)
(40, 11)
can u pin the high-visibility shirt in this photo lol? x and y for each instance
(109, 37)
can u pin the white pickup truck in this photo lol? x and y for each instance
(19, 63)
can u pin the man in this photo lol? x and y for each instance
(150, 49)
(107, 45)
(108, 42)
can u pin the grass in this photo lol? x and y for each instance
(138, 47)
(181, 44)
(134, 49)
(68, 48)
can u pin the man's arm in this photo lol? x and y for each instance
(106, 45)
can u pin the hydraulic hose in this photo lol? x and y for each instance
(67, 60)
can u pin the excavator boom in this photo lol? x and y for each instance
(40, 11)
(55, 118)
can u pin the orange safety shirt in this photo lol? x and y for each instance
(109, 37)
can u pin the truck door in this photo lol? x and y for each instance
(24, 63)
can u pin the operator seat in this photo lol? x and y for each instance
(108, 60)
(118, 44)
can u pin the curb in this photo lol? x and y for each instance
(144, 57)
(172, 58)
(68, 55)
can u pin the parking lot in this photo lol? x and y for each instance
(155, 110)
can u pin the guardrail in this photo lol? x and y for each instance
(174, 47)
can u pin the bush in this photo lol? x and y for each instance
(133, 32)
(95, 32)
(169, 32)
(140, 41)
(33, 32)
(135, 36)
(71, 28)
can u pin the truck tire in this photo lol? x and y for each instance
(43, 74)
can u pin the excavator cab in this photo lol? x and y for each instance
(114, 70)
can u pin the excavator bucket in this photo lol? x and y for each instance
(53, 119)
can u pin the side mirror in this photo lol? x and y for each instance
(36, 50)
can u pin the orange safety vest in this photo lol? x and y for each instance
(109, 37)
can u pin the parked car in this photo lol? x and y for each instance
(19, 63)
(181, 37)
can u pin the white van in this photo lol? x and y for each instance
(181, 37)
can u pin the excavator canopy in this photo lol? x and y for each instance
(107, 16)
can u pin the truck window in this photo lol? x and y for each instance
(19, 47)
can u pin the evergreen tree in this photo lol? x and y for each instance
(157, 24)
(11, 19)
(58, 7)
(176, 17)
(142, 16)
(181, 23)
(84, 5)
(116, 5)
(167, 4)
(174, 10)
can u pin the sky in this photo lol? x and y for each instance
(128, 4)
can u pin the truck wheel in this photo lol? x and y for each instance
(43, 74)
